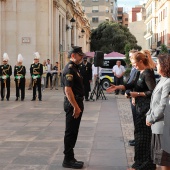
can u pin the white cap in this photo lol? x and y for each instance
(5, 57)
(36, 55)
(20, 58)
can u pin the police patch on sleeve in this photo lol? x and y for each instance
(69, 77)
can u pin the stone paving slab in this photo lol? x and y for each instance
(32, 133)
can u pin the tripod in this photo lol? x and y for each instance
(98, 90)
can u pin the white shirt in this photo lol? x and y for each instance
(48, 68)
(118, 70)
(94, 70)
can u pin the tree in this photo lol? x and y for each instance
(127, 49)
(164, 49)
(111, 36)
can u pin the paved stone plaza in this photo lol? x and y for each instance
(31, 133)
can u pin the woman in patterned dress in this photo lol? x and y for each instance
(141, 96)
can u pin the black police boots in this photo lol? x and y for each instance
(73, 164)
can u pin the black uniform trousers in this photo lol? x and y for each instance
(118, 81)
(20, 85)
(37, 83)
(72, 128)
(86, 88)
(133, 108)
(3, 88)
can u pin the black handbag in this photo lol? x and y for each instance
(142, 105)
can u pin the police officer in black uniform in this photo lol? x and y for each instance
(19, 74)
(73, 105)
(86, 72)
(5, 73)
(36, 71)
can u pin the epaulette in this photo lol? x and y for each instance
(70, 66)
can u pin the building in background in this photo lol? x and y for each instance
(122, 17)
(133, 12)
(50, 27)
(157, 24)
(138, 27)
(99, 11)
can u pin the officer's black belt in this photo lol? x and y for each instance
(79, 97)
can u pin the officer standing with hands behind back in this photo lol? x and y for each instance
(86, 72)
(73, 105)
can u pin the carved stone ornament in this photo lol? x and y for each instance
(56, 3)
(68, 16)
(77, 25)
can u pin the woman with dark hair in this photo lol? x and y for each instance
(143, 88)
(159, 115)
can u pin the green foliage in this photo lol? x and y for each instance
(127, 49)
(127, 72)
(164, 49)
(111, 36)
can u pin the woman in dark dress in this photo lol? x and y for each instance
(141, 97)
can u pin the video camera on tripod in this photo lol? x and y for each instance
(98, 90)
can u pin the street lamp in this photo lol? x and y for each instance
(82, 33)
(72, 24)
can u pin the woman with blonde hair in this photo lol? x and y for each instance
(143, 88)
(152, 64)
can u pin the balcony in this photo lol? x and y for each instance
(148, 34)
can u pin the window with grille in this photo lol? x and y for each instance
(95, 9)
(95, 19)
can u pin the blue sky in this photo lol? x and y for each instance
(128, 4)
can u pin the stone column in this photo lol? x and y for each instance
(68, 31)
(50, 44)
(0, 29)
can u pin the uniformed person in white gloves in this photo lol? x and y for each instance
(36, 71)
(5, 73)
(19, 78)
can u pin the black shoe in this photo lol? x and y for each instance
(33, 100)
(16, 99)
(80, 162)
(86, 99)
(7, 99)
(132, 142)
(56, 88)
(22, 99)
(73, 164)
(2, 99)
(116, 93)
(29, 88)
(40, 99)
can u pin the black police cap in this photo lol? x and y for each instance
(76, 49)
(85, 58)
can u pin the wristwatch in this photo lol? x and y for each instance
(138, 94)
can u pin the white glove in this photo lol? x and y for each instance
(4, 77)
(35, 77)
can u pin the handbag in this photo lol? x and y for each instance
(142, 105)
